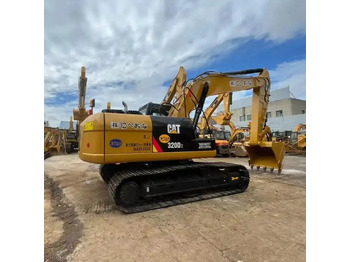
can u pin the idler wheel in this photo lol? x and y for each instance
(129, 193)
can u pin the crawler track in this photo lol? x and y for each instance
(47, 155)
(130, 173)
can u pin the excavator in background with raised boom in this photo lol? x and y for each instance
(147, 160)
(224, 119)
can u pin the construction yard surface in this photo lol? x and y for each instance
(265, 223)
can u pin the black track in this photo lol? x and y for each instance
(47, 155)
(131, 173)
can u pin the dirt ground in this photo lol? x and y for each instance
(265, 223)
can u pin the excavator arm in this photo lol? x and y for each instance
(300, 127)
(175, 90)
(210, 110)
(262, 153)
(81, 113)
(220, 83)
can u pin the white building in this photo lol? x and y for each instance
(283, 114)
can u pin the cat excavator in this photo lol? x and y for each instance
(224, 119)
(223, 146)
(296, 143)
(147, 160)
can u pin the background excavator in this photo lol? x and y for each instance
(81, 113)
(209, 130)
(62, 141)
(221, 138)
(296, 143)
(72, 143)
(225, 145)
(54, 141)
(146, 159)
(235, 141)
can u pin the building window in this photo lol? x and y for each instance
(249, 117)
(268, 115)
(279, 113)
(242, 118)
(303, 111)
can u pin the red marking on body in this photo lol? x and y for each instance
(156, 145)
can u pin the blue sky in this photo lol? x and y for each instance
(255, 54)
(135, 57)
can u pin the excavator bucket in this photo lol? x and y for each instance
(239, 150)
(266, 155)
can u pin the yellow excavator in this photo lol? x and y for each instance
(54, 141)
(297, 141)
(72, 143)
(61, 141)
(221, 139)
(81, 113)
(300, 130)
(224, 146)
(233, 143)
(208, 130)
(147, 159)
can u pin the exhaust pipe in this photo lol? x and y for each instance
(125, 107)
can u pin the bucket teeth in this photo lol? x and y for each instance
(264, 169)
(257, 168)
(271, 170)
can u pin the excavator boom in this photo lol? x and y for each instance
(262, 153)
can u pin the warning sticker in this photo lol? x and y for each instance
(89, 126)
(204, 145)
(125, 125)
(139, 146)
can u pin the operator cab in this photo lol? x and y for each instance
(153, 109)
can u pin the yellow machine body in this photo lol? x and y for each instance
(135, 138)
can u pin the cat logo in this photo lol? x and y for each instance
(164, 139)
(173, 129)
(234, 178)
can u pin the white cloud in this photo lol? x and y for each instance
(292, 74)
(134, 48)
